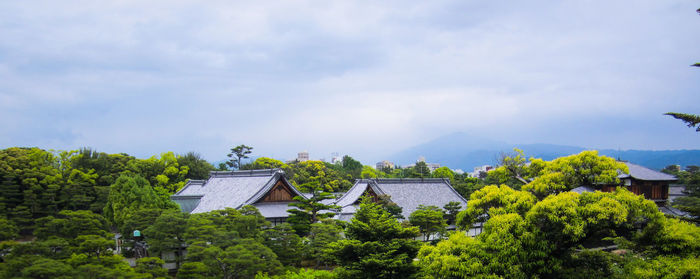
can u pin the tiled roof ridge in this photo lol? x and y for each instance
(244, 173)
(406, 180)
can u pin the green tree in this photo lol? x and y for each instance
(198, 168)
(429, 220)
(242, 260)
(129, 194)
(691, 120)
(8, 230)
(192, 270)
(565, 173)
(420, 170)
(239, 152)
(311, 209)
(320, 236)
(444, 172)
(451, 209)
(352, 167)
(167, 234)
(71, 224)
(378, 246)
(286, 244)
(152, 266)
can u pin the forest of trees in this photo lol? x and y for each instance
(60, 212)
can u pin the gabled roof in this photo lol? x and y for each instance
(233, 189)
(642, 173)
(406, 193)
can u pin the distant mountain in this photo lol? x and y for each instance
(463, 151)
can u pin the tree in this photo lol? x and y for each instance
(320, 236)
(69, 224)
(152, 266)
(242, 260)
(167, 234)
(492, 200)
(198, 168)
(451, 209)
(691, 120)
(129, 194)
(565, 173)
(429, 220)
(239, 152)
(378, 246)
(286, 244)
(444, 172)
(8, 230)
(420, 170)
(311, 209)
(352, 167)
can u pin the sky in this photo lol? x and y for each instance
(363, 78)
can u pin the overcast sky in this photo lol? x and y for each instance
(357, 77)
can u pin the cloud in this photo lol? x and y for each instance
(362, 78)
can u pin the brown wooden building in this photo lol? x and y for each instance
(654, 185)
(650, 183)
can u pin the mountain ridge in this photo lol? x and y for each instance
(462, 151)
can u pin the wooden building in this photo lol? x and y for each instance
(267, 190)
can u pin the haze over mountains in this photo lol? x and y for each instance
(464, 151)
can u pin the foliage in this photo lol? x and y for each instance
(467, 185)
(451, 209)
(429, 220)
(69, 224)
(565, 173)
(152, 266)
(444, 172)
(301, 274)
(352, 167)
(167, 233)
(130, 194)
(8, 230)
(378, 246)
(328, 175)
(493, 200)
(239, 152)
(420, 170)
(285, 243)
(309, 210)
(691, 120)
(690, 177)
(198, 168)
(320, 236)
(525, 238)
(244, 259)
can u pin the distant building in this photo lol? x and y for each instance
(385, 164)
(433, 166)
(303, 156)
(335, 158)
(478, 170)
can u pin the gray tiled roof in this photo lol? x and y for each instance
(406, 193)
(232, 189)
(583, 189)
(273, 209)
(642, 173)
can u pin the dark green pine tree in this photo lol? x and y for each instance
(312, 209)
(378, 246)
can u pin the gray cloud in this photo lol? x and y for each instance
(362, 78)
